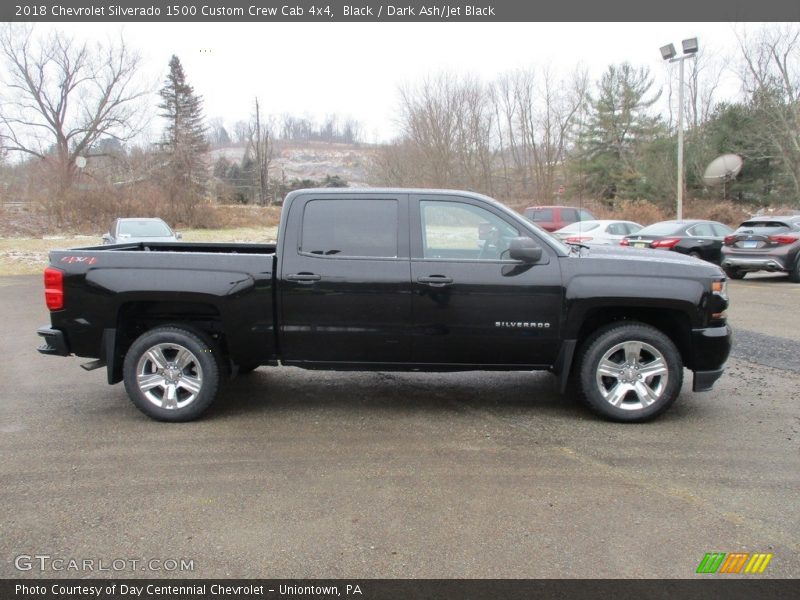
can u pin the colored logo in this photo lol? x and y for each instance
(734, 562)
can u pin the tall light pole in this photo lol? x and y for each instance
(690, 48)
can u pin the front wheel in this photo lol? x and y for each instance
(630, 372)
(171, 374)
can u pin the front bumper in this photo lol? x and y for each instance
(55, 342)
(711, 346)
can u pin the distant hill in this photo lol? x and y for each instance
(312, 160)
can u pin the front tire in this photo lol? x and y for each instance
(630, 372)
(171, 374)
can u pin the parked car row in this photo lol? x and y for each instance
(759, 244)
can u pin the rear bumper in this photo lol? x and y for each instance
(55, 343)
(711, 346)
(754, 264)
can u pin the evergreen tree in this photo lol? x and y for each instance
(184, 141)
(619, 126)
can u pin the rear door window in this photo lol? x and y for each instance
(701, 230)
(350, 228)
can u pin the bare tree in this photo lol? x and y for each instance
(770, 77)
(536, 116)
(262, 149)
(61, 97)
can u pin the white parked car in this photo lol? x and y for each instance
(597, 232)
(130, 231)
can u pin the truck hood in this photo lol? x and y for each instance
(646, 261)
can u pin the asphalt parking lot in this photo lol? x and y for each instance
(314, 474)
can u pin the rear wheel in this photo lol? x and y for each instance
(630, 372)
(794, 274)
(171, 374)
(734, 273)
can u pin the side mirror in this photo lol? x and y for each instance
(524, 249)
(106, 238)
(178, 235)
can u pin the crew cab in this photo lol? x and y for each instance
(390, 279)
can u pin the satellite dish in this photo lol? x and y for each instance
(723, 169)
(80, 162)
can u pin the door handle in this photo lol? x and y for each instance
(436, 280)
(304, 277)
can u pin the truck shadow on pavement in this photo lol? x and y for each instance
(271, 389)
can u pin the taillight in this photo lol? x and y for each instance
(54, 288)
(575, 239)
(729, 240)
(665, 243)
(783, 239)
(624, 242)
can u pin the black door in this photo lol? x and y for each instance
(472, 305)
(345, 293)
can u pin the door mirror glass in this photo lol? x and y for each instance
(525, 250)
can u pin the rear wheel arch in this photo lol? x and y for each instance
(136, 318)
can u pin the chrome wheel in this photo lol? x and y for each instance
(169, 376)
(632, 375)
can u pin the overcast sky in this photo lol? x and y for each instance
(354, 69)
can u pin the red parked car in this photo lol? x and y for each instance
(552, 218)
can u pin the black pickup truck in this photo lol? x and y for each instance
(390, 279)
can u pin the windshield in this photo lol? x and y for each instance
(660, 229)
(139, 229)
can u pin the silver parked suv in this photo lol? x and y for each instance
(764, 244)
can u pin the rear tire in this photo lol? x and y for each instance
(172, 374)
(630, 372)
(734, 273)
(794, 274)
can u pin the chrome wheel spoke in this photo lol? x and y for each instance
(190, 384)
(183, 359)
(608, 368)
(653, 368)
(645, 393)
(633, 350)
(156, 356)
(148, 382)
(170, 396)
(617, 394)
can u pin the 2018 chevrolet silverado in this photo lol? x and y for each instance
(390, 279)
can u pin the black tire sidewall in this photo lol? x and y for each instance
(206, 355)
(599, 343)
(733, 273)
(794, 274)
